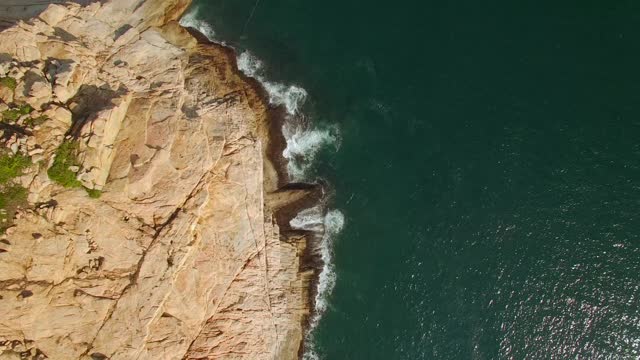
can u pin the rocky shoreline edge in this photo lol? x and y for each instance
(310, 194)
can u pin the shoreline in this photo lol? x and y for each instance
(297, 195)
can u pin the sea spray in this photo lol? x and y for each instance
(327, 225)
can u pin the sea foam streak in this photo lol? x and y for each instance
(291, 96)
(191, 20)
(329, 225)
(303, 143)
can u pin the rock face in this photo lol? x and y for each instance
(180, 257)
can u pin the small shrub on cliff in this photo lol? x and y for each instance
(93, 193)
(59, 171)
(12, 166)
(31, 121)
(11, 198)
(8, 82)
(12, 115)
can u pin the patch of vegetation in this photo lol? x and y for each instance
(12, 115)
(12, 166)
(11, 198)
(60, 172)
(93, 193)
(8, 82)
(31, 121)
(65, 158)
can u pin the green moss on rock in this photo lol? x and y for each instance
(31, 121)
(12, 115)
(65, 157)
(8, 82)
(12, 196)
(12, 166)
(93, 193)
(11, 199)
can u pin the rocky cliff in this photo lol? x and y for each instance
(139, 206)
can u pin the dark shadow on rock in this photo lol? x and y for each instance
(30, 78)
(8, 130)
(4, 58)
(121, 31)
(90, 100)
(54, 67)
(63, 35)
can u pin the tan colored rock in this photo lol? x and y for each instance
(34, 89)
(54, 14)
(98, 142)
(6, 95)
(180, 258)
(68, 77)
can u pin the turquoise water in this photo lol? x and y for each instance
(487, 163)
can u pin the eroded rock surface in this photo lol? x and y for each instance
(180, 257)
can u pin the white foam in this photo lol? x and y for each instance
(291, 96)
(310, 353)
(330, 224)
(333, 224)
(190, 20)
(311, 219)
(249, 64)
(303, 144)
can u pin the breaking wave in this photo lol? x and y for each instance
(328, 224)
(291, 96)
(311, 219)
(303, 144)
(303, 141)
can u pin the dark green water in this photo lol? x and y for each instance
(488, 170)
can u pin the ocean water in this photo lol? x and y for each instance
(484, 159)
